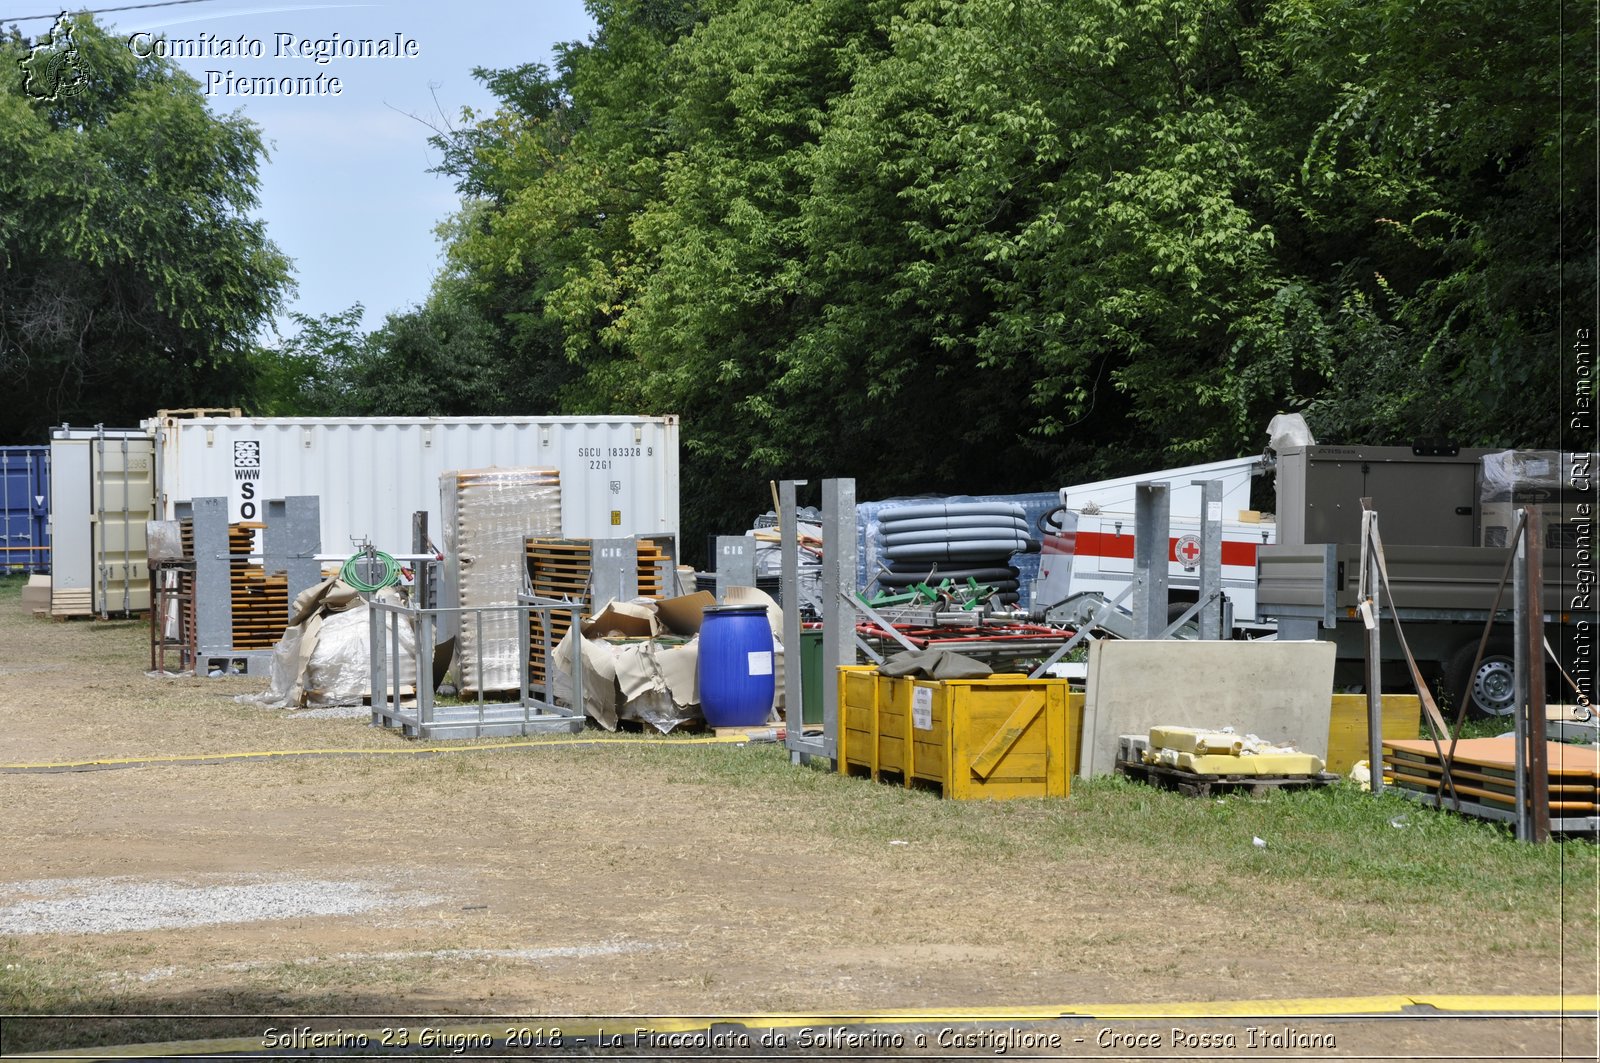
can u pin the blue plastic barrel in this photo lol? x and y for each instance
(736, 683)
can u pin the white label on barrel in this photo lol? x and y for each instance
(760, 662)
(922, 708)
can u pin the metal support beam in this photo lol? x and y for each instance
(1520, 659)
(736, 563)
(838, 590)
(291, 542)
(789, 592)
(1533, 639)
(1370, 595)
(1152, 544)
(427, 596)
(1211, 626)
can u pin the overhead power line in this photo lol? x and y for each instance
(98, 11)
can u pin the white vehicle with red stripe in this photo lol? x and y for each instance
(1102, 548)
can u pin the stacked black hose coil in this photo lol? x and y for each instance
(931, 541)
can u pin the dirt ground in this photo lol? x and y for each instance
(632, 879)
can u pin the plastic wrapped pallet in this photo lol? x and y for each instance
(1548, 480)
(489, 514)
(164, 540)
(324, 656)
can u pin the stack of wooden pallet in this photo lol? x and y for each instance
(260, 599)
(654, 564)
(561, 568)
(1483, 772)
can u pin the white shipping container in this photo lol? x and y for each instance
(619, 475)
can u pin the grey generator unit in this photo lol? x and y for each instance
(1444, 515)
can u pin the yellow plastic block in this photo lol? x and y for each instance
(1258, 764)
(1216, 764)
(1286, 763)
(1195, 740)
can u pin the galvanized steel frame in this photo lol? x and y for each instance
(534, 712)
(290, 543)
(837, 608)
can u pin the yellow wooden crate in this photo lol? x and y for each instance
(1001, 737)
(1347, 726)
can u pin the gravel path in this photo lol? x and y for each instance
(116, 905)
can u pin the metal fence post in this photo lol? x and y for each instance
(1519, 658)
(1371, 599)
(1152, 533)
(379, 680)
(789, 591)
(1538, 785)
(1210, 617)
(838, 591)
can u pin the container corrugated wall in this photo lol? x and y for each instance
(100, 503)
(24, 509)
(619, 475)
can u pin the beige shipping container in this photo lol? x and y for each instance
(101, 496)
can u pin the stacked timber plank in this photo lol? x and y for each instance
(562, 568)
(260, 599)
(1483, 772)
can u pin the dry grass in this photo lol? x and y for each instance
(652, 879)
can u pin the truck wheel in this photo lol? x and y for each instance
(1492, 691)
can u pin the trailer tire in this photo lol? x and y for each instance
(1492, 692)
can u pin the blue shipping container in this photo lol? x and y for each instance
(24, 509)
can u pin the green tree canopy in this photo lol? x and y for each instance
(132, 276)
(989, 245)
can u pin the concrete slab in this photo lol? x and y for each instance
(36, 595)
(1281, 691)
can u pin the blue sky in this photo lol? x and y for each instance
(346, 193)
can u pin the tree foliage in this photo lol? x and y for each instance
(937, 245)
(1003, 244)
(132, 275)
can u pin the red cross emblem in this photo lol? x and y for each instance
(1187, 551)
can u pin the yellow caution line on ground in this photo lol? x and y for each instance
(573, 1033)
(265, 754)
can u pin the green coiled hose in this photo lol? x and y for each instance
(350, 573)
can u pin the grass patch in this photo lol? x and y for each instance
(1337, 842)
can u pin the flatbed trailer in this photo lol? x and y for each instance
(1442, 596)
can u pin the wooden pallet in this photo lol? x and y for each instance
(1193, 784)
(562, 568)
(260, 600)
(1483, 771)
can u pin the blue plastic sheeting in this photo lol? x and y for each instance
(869, 534)
(24, 509)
